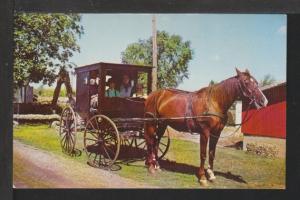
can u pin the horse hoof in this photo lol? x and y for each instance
(151, 170)
(211, 175)
(203, 183)
(212, 178)
(158, 169)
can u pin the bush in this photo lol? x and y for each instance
(48, 92)
(264, 150)
(36, 108)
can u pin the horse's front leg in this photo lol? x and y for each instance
(203, 146)
(213, 140)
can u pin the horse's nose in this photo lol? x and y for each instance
(265, 102)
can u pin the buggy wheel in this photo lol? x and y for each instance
(67, 130)
(128, 142)
(164, 144)
(101, 141)
(140, 143)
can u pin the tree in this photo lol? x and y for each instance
(267, 80)
(173, 57)
(212, 82)
(43, 45)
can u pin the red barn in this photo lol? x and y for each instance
(267, 125)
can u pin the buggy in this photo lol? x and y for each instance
(110, 124)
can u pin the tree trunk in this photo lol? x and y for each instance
(57, 91)
(63, 77)
(69, 90)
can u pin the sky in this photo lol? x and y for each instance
(220, 42)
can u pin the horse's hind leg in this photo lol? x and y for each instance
(160, 132)
(151, 142)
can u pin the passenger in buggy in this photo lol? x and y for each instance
(112, 91)
(139, 91)
(93, 89)
(126, 88)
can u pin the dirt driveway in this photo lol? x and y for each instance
(35, 168)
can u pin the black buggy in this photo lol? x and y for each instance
(110, 124)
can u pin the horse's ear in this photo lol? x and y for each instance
(238, 71)
(247, 71)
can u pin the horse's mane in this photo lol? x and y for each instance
(177, 90)
(227, 83)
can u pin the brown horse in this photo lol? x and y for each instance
(209, 104)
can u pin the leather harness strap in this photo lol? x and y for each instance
(220, 115)
(189, 117)
(189, 120)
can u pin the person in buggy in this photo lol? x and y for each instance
(112, 91)
(126, 88)
(139, 92)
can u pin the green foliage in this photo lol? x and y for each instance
(267, 80)
(173, 57)
(212, 82)
(48, 92)
(43, 45)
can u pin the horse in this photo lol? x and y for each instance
(202, 112)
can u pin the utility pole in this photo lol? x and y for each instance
(154, 54)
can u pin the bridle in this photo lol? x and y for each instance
(248, 93)
(252, 100)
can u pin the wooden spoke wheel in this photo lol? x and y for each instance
(164, 145)
(67, 130)
(127, 141)
(140, 143)
(101, 141)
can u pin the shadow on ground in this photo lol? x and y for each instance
(238, 145)
(129, 155)
(192, 170)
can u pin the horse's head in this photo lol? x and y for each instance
(249, 89)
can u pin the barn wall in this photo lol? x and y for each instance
(269, 121)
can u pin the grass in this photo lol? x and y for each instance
(48, 92)
(233, 168)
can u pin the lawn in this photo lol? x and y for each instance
(233, 168)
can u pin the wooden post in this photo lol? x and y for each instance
(154, 54)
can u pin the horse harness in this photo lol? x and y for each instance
(190, 117)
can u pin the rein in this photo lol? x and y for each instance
(252, 100)
(240, 124)
(222, 116)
